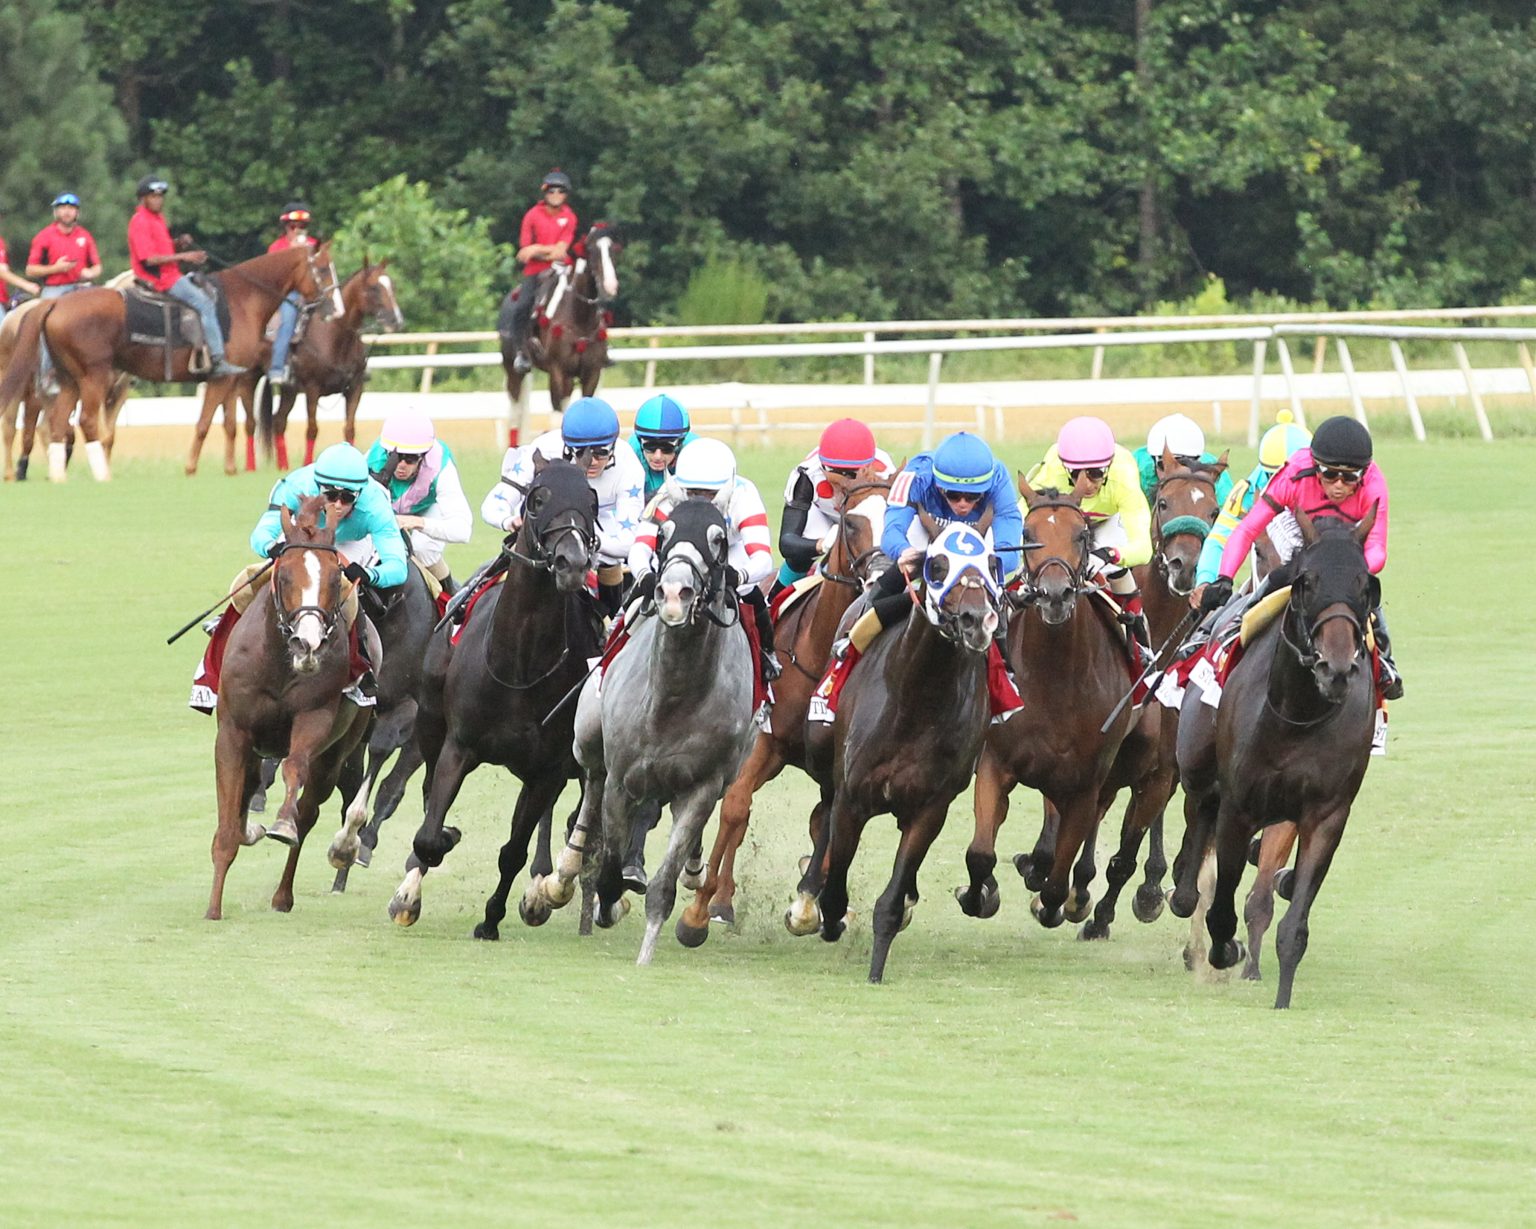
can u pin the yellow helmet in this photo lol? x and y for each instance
(1281, 440)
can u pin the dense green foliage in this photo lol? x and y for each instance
(885, 158)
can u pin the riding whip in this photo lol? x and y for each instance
(196, 619)
(1177, 634)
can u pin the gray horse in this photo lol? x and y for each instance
(669, 723)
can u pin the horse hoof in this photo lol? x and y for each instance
(692, 878)
(533, 912)
(1179, 906)
(805, 863)
(364, 855)
(488, 931)
(1147, 905)
(253, 833)
(403, 912)
(1190, 956)
(1227, 954)
(724, 914)
(1094, 929)
(258, 803)
(284, 831)
(1251, 970)
(343, 852)
(1049, 918)
(611, 915)
(1022, 864)
(803, 918)
(1285, 883)
(831, 932)
(1253, 848)
(1079, 907)
(635, 880)
(691, 936)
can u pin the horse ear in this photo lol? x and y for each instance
(366, 261)
(1080, 487)
(1309, 532)
(1025, 489)
(1221, 463)
(539, 462)
(1168, 462)
(929, 524)
(1364, 525)
(286, 517)
(984, 521)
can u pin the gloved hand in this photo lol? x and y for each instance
(276, 549)
(732, 578)
(1107, 553)
(356, 573)
(1216, 594)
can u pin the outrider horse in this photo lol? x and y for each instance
(1291, 739)
(280, 696)
(489, 699)
(803, 638)
(910, 722)
(568, 336)
(88, 335)
(329, 358)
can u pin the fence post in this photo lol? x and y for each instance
(1477, 399)
(650, 365)
(869, 360)
(1319, 353)
(735, 422)
(1098, 359)
(1290, 381)
(1258, 392)
(426, 372)
(1346, 361)
(762, 423)
(1414, 416)
(931, 413)
(1530, 368)
(1215, 418)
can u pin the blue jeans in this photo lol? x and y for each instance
(45, 377)
(287, 321)
(183, 291)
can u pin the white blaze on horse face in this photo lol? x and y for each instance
(610, 278)
(397, 317)
(337, 306)
(1197, 495)
(554, 299)
(308, 628)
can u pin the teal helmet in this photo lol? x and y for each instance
(342, 465)
(963, 463)
(589, 422)
(661, 418)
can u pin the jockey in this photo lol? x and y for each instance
(588, 436)
(706, 469)
(543, 240)
(295, 223)
(1335, 477)
(64, 256)
(1275, 449)
(810, 496)
(1085, 451)
(419, 472)
(156, 263)
(1180, 434)
(662, 429)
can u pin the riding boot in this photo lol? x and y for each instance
(1135, 620)
(610, 598)
(770, 662)
(450, 586)
(369, 648)
(776, 588)
(1389, 679)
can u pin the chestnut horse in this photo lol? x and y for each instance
(87, 333)
(803, 638)
(569, 334)
(280, 697)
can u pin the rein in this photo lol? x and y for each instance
(860, 563)
(1029, 589)
(287, 618)
(1307, 656)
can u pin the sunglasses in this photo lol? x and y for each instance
(1094, 475)
(1329, 474)
(961, 497)
(588, 454)
(338, 495)
(840, 471)
(548, 191)
(667, 446)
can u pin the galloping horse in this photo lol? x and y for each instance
(330, 358)
(1291, 739)
(88, 334)
(569, 340)
(909, 724)
(489, 698)
(669, 723)
(803, 638)
(280, 696)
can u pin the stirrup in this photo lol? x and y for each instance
(772, 670)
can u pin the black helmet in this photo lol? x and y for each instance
(294, 211)
(1342, 441)
(152, 183)
(557, 179)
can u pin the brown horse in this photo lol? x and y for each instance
(803, 638)
(570, 327)
(280, 696)
(87, 332)
(330, 358)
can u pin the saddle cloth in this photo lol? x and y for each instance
(790, 597)
(156, 319)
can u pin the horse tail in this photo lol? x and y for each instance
(264, 418)
(24, 359)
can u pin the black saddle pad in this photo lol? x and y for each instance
(504, 316)
(148, 315)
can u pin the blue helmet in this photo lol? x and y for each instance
(589, 422)
(963, 463)
(661, 418)
(342, 465)
(66, 198)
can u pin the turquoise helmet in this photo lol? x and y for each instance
(342, 465)
(963, 463)
(589, 422)
(662, 417)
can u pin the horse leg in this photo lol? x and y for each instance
(312, 428)
(803, 917)
(8, 435)
(689, 815)
(433, 840)
(117, 393)
(1200, 810)
(847, 827)
(1148, 902)
(535, 802)
(230, 404)
(311, 730)
(354, 395)
(391, 792)
(326, 769)
(716, 896)
(980, 898)
(1140, 814)
(1232, 834)
(346, 843)
(1079, 814)
(893, 911)
(1275, 844)
(285, 401)
(231, 755)
(1080, 899)
(617, 815)
(556, 888)
(1035, 866)
(200, 431)
(1320, 838)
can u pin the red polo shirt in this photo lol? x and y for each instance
(541, 226)
(53, 244)
(148, 235)
(282, 244)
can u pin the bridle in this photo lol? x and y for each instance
(1303, 646)
(709, 584)
(1029, 584)
(1177, 526)
(859, 566)
(287, 618)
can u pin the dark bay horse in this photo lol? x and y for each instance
(280, 697)
(87, 332)
(909, 725)
(330, 358)
(486, 699)
(1291, 739)
(569, 334)
(803, 638)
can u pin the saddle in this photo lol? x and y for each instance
(156, 319)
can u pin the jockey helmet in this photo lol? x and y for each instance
(557, 179)
(151, 184)
(1342, 441)
(661, 418)
(1179, 434)
(66, 198)
(846, 444)
(963, 463)
(705, 465)
(409, 434)
(294, 211)
(589, 422)
(342, 465)
(1281, 440)
(1086, 443)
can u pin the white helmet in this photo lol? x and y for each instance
(705, 465)
(1179, 433)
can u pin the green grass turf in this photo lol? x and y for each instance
(326, 1066)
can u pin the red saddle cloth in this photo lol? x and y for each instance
(484, 587)
(205, 683)
(1002, 696)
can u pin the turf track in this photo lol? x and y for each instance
(328, 1067)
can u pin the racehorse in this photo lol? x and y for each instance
(329, 358)
(88, 335)
(1291, 739)
(280, 696)
(803, 638)
(1069, 662)
(909, 724)
(404, 620)
(669, 723)
(568, 339)
(491, 698)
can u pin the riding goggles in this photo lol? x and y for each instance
(295, 215)
(66, 198)
(588, 452)
(1095, 473)
(669, 446)
(969, 497)
(338, 495)
(843, 471)
(1330, 473)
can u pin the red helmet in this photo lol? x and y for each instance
(846, 444)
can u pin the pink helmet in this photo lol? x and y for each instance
(411, 433)
(846, 444)
(1086, 443)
